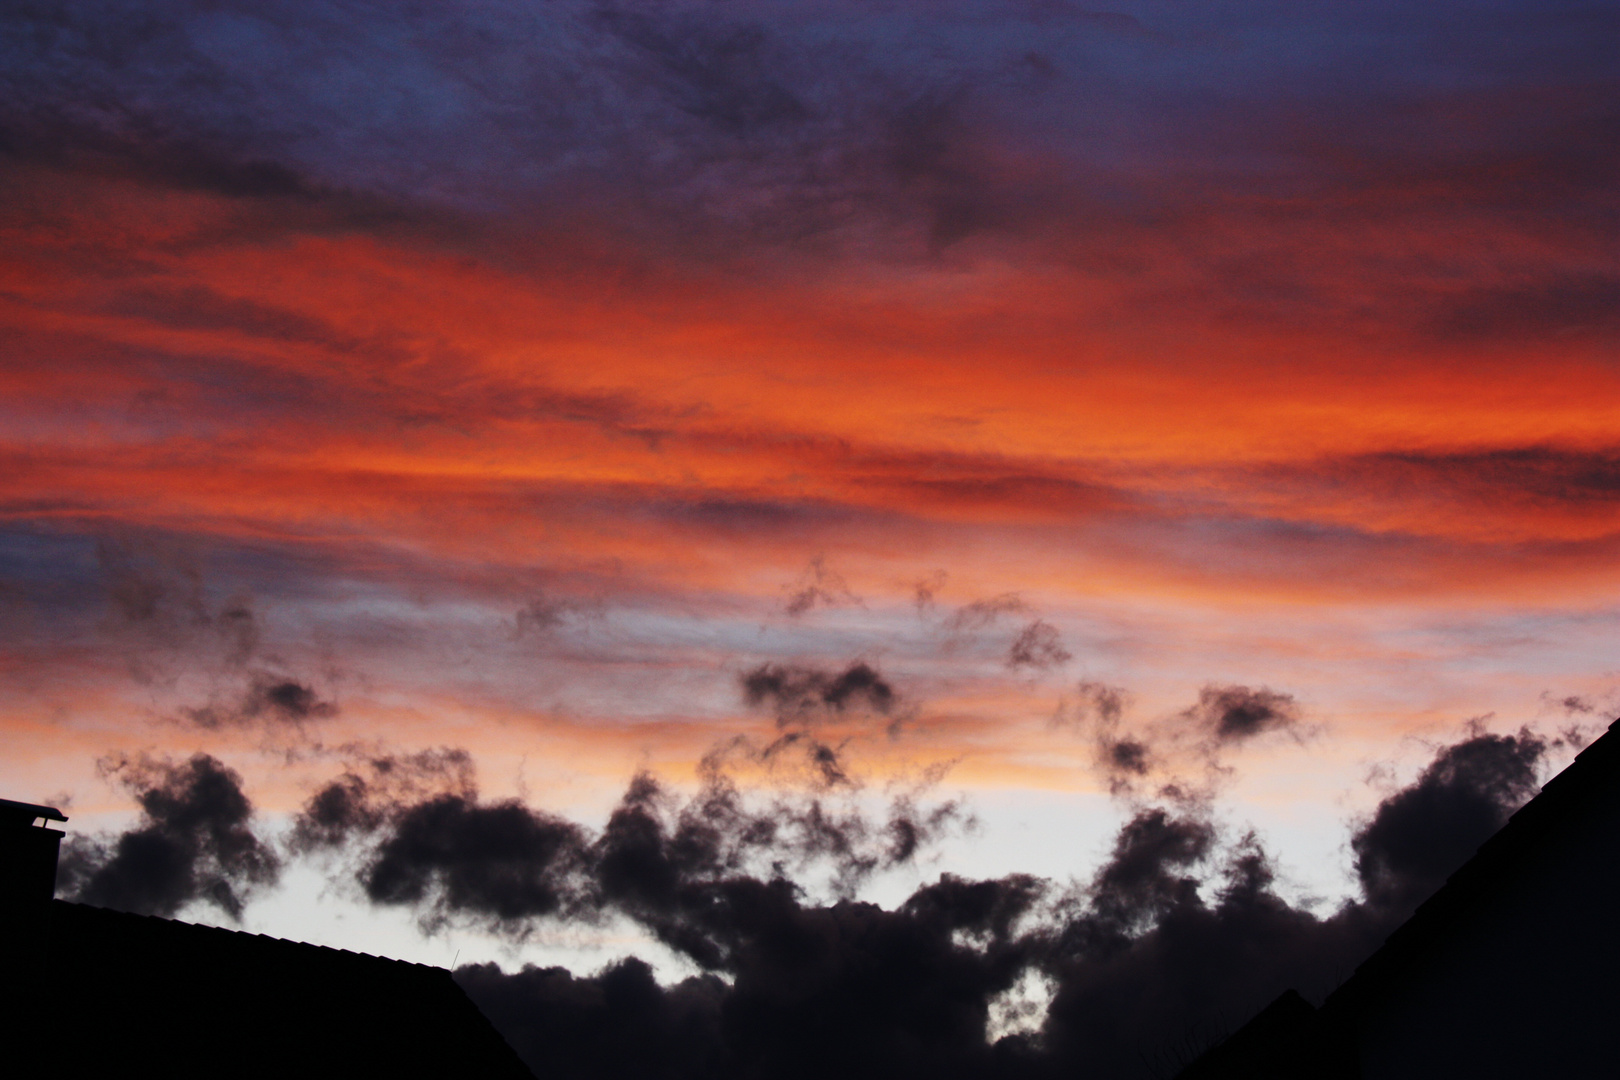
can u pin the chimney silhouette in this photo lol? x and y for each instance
(27, 884)
(27, 856)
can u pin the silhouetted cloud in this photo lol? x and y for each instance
(811, 991)
(1176, 937)
(1152, 964)
(799, 694)
(194, 841)
(359, 801)
(1127, 756)
(803, 699)
(1038, 645)
(413, 832)
(272, 698)
(617, 1023)
(428, 842)
(1097, 711)
(287, 698)
(1233, 714)
(498, 862)
(1178, 940)
(1419, 835)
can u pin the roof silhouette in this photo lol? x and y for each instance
(1574, 813)
(89, 991)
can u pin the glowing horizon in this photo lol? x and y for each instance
(522, 378)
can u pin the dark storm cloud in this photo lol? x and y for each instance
(274, 699)
(910, 991)
(848, 989)
(1234, 714)
(798, 694)
(1128, 756)
(1186, 748)
(618, 1023)
(1178, 936)
(1097, 712)
(428, 842)
(1150, 871)
(194, 841)
(1124, 1000)
(887, 982)
(414, 832)
(654, 861)
(360, 801)
(499, 861)
(1419, 835)
(1181, 939)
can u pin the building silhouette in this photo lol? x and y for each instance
(1511, 969)
(91, 992)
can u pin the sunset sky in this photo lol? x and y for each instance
(883, 400)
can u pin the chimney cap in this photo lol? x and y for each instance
(21, 813)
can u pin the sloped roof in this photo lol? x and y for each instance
(1561, 801)
(192, 1000)
(1289, 1038)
